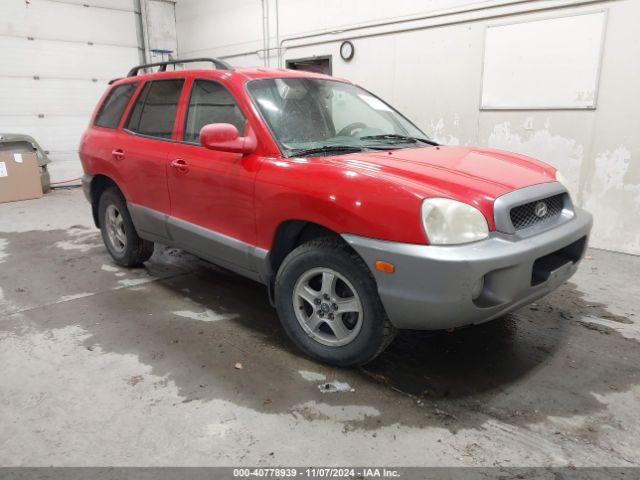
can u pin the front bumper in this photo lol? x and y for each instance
(432, 286)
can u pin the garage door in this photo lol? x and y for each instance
(56, 57)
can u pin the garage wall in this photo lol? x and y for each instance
(56, 57)
(426, 58)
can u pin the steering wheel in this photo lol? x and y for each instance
(351, 129)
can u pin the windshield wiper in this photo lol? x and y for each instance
(395, 136)
(327, 149)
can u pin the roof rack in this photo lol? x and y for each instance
(219, 64)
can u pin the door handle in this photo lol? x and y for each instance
(117, 154)
(180, 165)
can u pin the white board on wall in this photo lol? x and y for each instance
(550, 63)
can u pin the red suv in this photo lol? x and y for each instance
(356, 221)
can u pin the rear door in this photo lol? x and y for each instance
(211, 191)
(143, 151)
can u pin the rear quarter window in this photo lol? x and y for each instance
(113, 106)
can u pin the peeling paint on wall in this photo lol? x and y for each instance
(614, 203)
(436, 132)
(563, 153)
(606, 195)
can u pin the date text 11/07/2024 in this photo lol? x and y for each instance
(316, 472)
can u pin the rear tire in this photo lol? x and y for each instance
(118, 233)
(328, 304)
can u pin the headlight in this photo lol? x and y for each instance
(449, 222)
(561, 179)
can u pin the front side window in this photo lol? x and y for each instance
(155, 109)
(113, 107)
(310, 114)
(210, 102)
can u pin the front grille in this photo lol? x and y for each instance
(524, 216)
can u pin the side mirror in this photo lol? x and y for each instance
(225, 137)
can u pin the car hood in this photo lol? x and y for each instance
(451, 169)
(472, 175)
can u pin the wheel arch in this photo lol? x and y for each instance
(99, 184)
(289, 235)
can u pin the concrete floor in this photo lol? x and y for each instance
(101, 365)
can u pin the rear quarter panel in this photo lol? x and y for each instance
(95, 154)
(97, 143)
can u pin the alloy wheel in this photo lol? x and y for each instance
(328, 307)
(114, 224)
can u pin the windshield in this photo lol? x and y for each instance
(309, 115)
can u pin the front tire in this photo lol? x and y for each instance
(329, 306)
(118, 232)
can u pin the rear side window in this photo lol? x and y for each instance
(114, 105)
(155, 109)
(210, 102)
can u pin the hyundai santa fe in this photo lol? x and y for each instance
(356, 221)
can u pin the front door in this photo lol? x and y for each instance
(211, 192)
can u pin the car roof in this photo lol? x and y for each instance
(246, 73)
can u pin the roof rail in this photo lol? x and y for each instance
(219, 64)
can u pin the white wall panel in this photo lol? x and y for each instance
(71, 45)
(238, 24)
(59, 135)
(65, 168)
(63, 21)
(49, 97)
(126, 5)
(298, 17)
(44, 58)
(56, 134)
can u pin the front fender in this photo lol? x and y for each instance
(338, 198)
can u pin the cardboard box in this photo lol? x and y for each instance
(19, 177)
